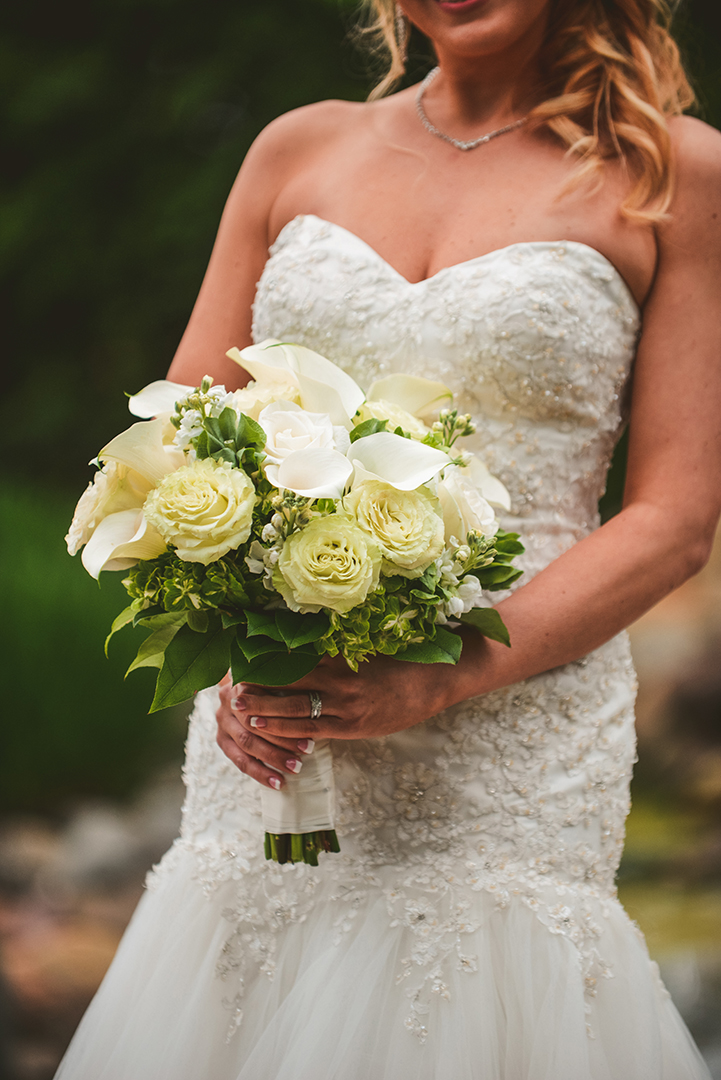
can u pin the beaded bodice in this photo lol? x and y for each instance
(521, 793)
(536, 340)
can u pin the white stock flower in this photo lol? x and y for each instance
(191, 425)
(113, 489)
(331, 563)
(407, 525)
(464, 508)
(261, 560)
(465, 596)
(203, 509)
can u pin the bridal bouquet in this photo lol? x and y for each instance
(263, 529)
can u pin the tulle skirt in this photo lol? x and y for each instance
(332, 1005)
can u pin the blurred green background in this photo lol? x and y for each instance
(124, 123)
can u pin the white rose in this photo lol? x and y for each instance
(113, 489)
(290, 429)
(396, 416)
(204, 509)
(407, 525)
(464, 508)
(331, 563)
(254, 397)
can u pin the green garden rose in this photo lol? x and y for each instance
(407, 525)
(332, 563)
(204, 509)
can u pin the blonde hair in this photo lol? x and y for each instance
(613, 76)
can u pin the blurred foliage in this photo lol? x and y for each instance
(71, 725)
(123, 124)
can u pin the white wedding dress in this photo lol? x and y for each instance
(469, 929)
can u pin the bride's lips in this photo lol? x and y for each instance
(461, 5)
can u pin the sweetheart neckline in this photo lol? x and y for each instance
(466, 262)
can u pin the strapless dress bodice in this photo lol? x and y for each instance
(536, 340)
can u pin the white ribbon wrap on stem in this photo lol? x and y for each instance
(305, 803)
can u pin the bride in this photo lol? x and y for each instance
(502, 228)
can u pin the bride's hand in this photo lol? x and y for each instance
(256, 728)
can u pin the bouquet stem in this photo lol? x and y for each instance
(299, 818)
(300, 847)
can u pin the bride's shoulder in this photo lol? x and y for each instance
(695, 219)
(312, 127)
(697, 158)
(696, 145)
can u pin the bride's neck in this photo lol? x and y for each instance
(480, 90)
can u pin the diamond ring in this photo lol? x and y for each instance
(316, 705)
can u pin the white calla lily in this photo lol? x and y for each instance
(323, 386)
(316, 473)
(119, 541)
(142, 448)
(422, 397)
(403, 463)
(464, 507)
(157, 398)
(490, 487)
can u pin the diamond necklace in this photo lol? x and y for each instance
(459, 143)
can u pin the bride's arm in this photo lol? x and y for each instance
(221, 316)
(662, 536)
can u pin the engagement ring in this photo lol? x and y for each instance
(316, 705)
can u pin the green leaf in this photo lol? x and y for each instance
(509, 546)
(296, 629)
(249, 432)
(233, 618)
(505, 583)
(201, 443)
(126, 616)
(152, 652)
(198, 620)
(272, 668)
(228, 424)
(226, 454)
(444, 649)
(489, 623)
(497, 575)
(368, 427)
(165, 618)
(192, 662)
(263, 622)
(145, 613)
(255, 646)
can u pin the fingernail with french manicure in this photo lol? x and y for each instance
(257, 721)
(306, 746)
(294, 765)
(274, 782)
